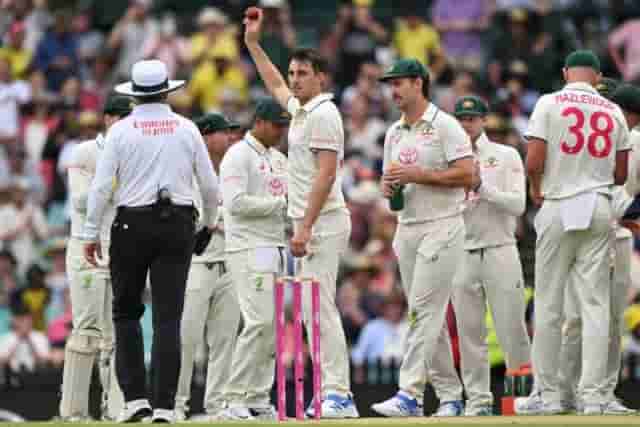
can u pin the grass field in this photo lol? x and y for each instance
(552, 421)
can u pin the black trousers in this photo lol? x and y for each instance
(144, 242)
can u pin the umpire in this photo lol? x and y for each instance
(152, 155)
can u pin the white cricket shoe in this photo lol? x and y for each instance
(400, 405)
(452, 408)
(615, 407)
(479, 411)
(236, 413)
(336, 406)
(135, 411)
(179, 414)
(534, 405)
(164, 416)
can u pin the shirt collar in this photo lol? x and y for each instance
(482, 141)
(154, 107)
(100, 141)
(257, 145)
(316, 100)
(582, 86)
(428, 115)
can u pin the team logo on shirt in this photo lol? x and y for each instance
(492, 162)
(408, 156)
(277, 187)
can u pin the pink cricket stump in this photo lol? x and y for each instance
(281, 381)
(315, 326)
(299, 356)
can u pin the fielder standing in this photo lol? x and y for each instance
(210, 306)
(321, 221)
(254, 198)
(90, 288)
(490, 271)
(578, 148)
(628, 98)
(428, 157)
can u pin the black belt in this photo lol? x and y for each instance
(152, 208)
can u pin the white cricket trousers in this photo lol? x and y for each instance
(570, 361)
(583, 257)
(428, 255)
(211, 314)
(488, 276)
(329, 241)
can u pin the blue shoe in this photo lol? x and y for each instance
(336, 406)
(399, 405)
(452, 408)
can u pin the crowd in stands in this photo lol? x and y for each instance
(58, 64)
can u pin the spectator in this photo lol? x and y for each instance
(414, 38)
(35, 297)
(626, 37)
(128, 36)
(90, 41)
(383, 337)
(25, 169)
(9, 282)
(15, 51)
(214, 38)
(278, 35)
(362, 130)
(358, 34)
(22, 225)
(56, 278)
(212, 77)
(23, 349)
(57, 52)
(356, 304)
(461, 24)
(59, 330)
(463, 84)
(36, 129)
(632, 321)
(515, 100)
(361, 202)
(13, 94)
(367, 85)
(167, 46)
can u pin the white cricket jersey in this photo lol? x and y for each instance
(436, 140)
(491, 214)
(254, 189)
(583, 132)
(150, 149)
(317, 125)
(81, 170)
(623, 195)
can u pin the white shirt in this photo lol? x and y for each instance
(491, 214)
(12, 95)
(254, 195)
(317, 125)
(81, 170)
(623, 195)
(23, 356)
(214, 251)
(583, 132)
(150, 149)
(436, 140)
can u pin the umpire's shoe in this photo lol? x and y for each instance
(135, 411)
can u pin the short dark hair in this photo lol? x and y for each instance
(152, 99)
(425, 86)
(306, 54)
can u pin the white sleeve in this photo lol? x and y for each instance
(102, 186)
(293, 105)
(326, 132)
(234, 173)
(23, 91)
(457, 143)
(539, 121)
(624, 141)
(79, 178)
(511, 199)
(207, 182)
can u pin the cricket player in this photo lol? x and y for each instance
(321, 221)
(578, 149)
(253, 173)
(90, 287)
(628, 98)
(490, 271)
(428, 157)
(210, 308)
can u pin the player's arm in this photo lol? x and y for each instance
(207, 182)
(327, 162)
(79, 179)
(622, 167)
(536, 158)
(458, 174)
(512, 199)
(235, 183)
(270, 75)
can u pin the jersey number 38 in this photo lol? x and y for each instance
(597, 135)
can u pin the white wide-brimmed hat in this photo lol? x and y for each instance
(149, 78)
